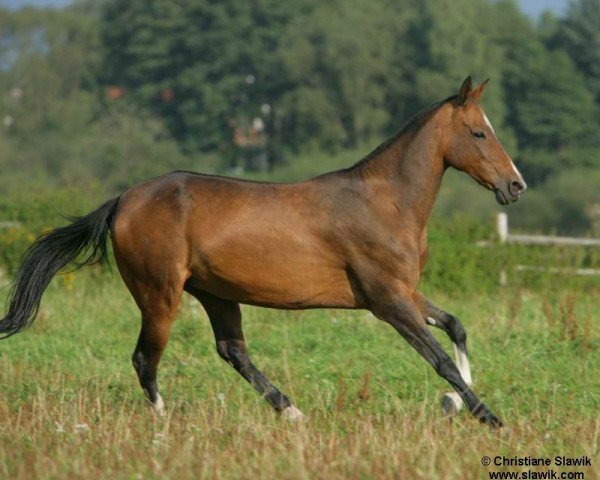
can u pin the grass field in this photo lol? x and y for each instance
(70, 405)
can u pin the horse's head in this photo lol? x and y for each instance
(471, 145)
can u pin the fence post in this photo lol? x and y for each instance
(502, 229)
(502, 226)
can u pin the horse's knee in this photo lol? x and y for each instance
(238, 354)
(223, 351)
(445, 368)
(231, 351)
(137, 359)
(456, 330)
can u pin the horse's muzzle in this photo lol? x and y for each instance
(517, 187)
(511, 193)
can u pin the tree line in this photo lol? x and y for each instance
(120, 89)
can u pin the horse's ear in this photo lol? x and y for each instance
(465, 90)
(478, 92)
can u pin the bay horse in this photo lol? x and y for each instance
(352, 239)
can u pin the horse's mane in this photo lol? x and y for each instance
(412, 124)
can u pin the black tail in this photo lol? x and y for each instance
(47, 255)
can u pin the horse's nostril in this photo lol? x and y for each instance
(517, 187)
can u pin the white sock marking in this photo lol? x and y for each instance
(451, 402)
(462, 362)
(159, 406)
(292, 414)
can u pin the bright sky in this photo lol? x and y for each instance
(535, 7)
(14, 4)
(531, 7)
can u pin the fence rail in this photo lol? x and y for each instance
(548, 240)
(506, 237)
(10, 224)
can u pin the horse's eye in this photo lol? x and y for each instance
(479, 135)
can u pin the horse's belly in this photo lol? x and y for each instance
(272, 274)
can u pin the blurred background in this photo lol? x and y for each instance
(96, 96)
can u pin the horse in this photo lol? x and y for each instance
(354, 238)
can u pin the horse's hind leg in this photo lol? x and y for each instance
(158, 302)
(226, 321)
(154, 334)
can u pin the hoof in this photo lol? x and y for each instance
(160, 412)
(159, 407)
(490, 419)
(451, 403)
(292, 414)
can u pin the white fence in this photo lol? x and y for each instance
(9, 224)
(506, 237)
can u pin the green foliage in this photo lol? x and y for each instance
(579, 34)
(13, 242)
(465, 255)
(61, 130)
(337, 75)
(451, 38)
(72, 407)
(555, 110)
(117, 91)
(455, 262)
(216, 58)
(339, 80)
(566, 204)
(32, 212)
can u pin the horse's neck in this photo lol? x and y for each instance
(410, 170)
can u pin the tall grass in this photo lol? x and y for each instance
(71, 407)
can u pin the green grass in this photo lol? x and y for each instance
(70, 405)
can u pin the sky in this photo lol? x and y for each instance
(531, 7)
(535, 7)
(38, 3)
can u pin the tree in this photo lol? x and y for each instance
(203, 66)
(548, 105)
(56, 127)
(553, 109)
(48, 56)
(450, 40)
(341, 58)
(579, 34)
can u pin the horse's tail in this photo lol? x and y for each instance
(47, 255)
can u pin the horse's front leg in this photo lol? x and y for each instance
(435, 316)
(403, 314)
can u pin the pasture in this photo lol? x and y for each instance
(71, 406)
